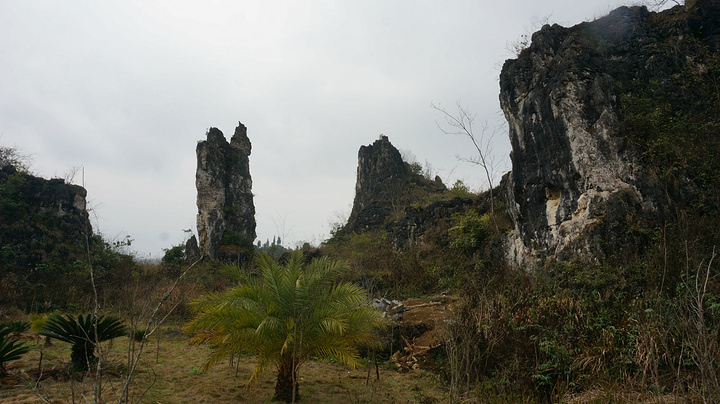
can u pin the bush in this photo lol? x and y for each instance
(471, 231)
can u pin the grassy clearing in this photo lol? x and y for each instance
(173, 374)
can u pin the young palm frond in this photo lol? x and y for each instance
(83, 332)
(15, 327)
(286, 315)
(10, 349)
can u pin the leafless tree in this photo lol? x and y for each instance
(282, 229)
(154, 321)
(71, 173)
(524, 40)
(659, 4)
(461, 124)
(339, 220)
(10, 156)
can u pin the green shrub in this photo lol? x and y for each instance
(471, 231)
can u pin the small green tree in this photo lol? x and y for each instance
(287, 314)
(84, 333)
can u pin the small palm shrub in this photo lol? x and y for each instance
(137, 335)
(287, 314)
(83, 332)
(10, 348)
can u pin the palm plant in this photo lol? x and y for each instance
(84, 333)
(287, 314)
(16, 327)
(10, 348)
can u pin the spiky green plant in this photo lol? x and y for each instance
(83, 332)
(10, 349)
(287, 314)
(17, 326)
(137, 335)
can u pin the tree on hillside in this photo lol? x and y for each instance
(657, 5)
(287, 314)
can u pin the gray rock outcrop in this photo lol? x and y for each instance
(62, 205)
(192, 250)
(226, 212)
(576, 181)
(385, 184)
(44, 232)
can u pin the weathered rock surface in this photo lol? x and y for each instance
(226, 212)
(52, 200)
(43, 230)
(574, 177)
(192, 250)
(385, 184)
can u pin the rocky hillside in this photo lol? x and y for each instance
(613, 125)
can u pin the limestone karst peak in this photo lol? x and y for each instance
(226, 211)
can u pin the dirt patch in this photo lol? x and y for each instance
(421, 332)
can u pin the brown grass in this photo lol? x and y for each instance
(176, 378)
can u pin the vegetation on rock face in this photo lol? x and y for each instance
(675, 122)
(473, 231)
(287, 314)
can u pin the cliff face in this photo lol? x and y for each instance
(35, 210)
(578, 179)
(43, 224)
(385, 184)
(226, 212)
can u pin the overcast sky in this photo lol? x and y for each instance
(125, 89)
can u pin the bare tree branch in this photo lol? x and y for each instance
(150, 328)
(462, 124)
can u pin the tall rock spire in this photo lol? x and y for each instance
(226, 212)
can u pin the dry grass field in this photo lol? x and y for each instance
(170, 372)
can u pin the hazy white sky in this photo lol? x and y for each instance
(125, 89)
